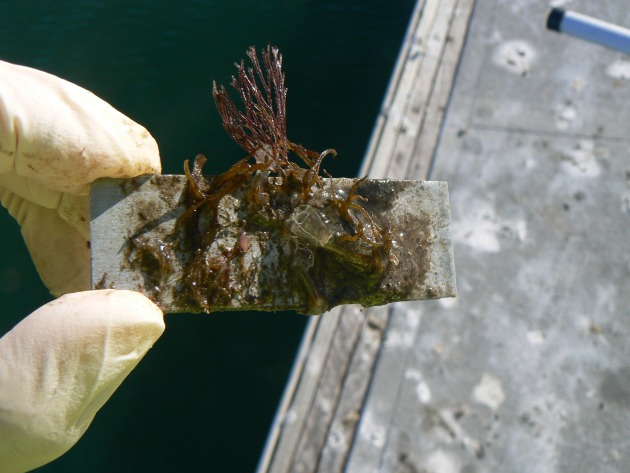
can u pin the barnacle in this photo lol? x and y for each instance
(309, 224)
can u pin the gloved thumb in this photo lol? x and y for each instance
(60, 365)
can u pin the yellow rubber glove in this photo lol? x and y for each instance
(62, 363)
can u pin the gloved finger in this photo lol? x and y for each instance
(74, 209)
(61, 136)
(61, 364)
(59, 250)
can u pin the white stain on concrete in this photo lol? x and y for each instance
(559, 3)
(564, 115)
(441, 461)
(483, 231)
(371, 431)
(513, 229)
(423, 392)
(535, 337)
(581, 160)
(478, 233)
(515, 56)
(489, 391)
(619, 70)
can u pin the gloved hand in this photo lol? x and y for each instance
(61, 364)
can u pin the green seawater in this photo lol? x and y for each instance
(204, 397)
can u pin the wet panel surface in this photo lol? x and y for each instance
(286, 256)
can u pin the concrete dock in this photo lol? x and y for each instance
(527, 369)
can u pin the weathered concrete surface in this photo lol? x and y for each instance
(528, 370)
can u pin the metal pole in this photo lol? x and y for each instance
(590, 29)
